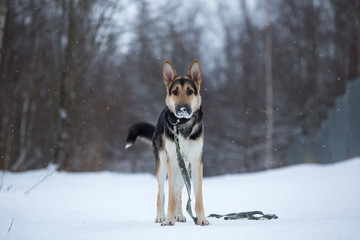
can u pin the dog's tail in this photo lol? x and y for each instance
(143, 130)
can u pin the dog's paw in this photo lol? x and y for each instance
(168, 222)
(180, 218)
(160, 218)
(202, 222)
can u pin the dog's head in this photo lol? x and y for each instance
(183, 93)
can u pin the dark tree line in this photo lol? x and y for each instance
(68, 93)
(51, 59)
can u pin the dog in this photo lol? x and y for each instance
(182, 116)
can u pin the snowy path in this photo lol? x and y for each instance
(312, 202)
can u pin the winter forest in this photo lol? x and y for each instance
(76, 74)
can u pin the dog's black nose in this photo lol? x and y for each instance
(182, 110)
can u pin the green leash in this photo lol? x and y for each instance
(185, 176)
(253, 215)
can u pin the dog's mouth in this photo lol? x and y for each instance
(183, 111)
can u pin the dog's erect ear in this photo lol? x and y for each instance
(169, 72)
(195, 72)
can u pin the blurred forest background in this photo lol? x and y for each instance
(75, 74)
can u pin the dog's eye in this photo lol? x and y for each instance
(190, 92)
(175, 92)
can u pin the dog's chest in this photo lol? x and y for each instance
(190, 149)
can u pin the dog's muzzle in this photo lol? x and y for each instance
(182, 111)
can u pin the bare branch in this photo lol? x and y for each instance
(42, 180)
(11, 224)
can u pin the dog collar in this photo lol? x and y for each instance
(173, 120)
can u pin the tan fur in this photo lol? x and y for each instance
(195, 72)
(191, 149)
(170, 75)
(183, 98)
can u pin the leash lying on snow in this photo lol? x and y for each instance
(253, 215)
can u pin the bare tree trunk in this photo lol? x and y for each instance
(64, 147)
(23, 126)
(11, 128)
(347, 43)
(9, 141)
(24, 141)
(269, 93)
(358, 45)
(3, 11)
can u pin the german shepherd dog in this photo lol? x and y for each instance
(183, 110)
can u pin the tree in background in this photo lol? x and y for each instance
(76, 74)
(49, 51)
(3, 14)
(269, 90)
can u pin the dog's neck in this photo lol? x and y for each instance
(173, 120)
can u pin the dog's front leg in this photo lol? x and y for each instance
(179, 186)
(197, 175)
(170, 218)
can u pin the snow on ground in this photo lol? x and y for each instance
(312, 202)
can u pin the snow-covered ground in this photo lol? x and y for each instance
(312, 202)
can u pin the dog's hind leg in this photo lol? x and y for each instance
(161, 177)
